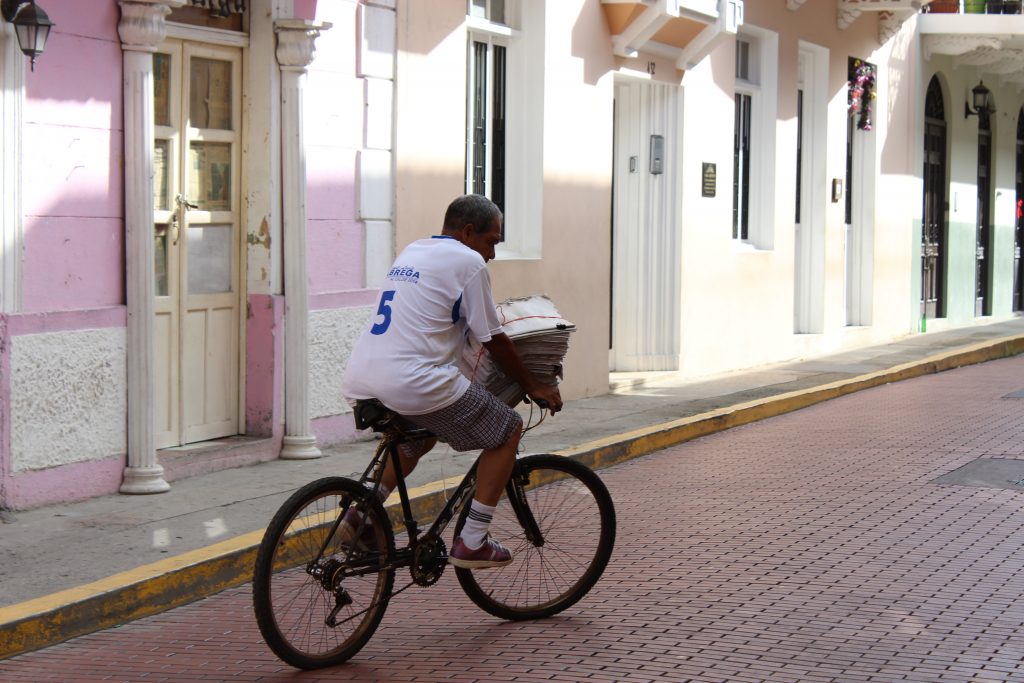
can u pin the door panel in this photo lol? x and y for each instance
(933, 228)
(645, 271)
(197, 106)
(165, 408)
(209, 372)
(983, 293)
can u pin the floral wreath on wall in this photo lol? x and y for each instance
(862, 77)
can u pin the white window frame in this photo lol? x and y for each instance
(12, 97)
(492, 41)
(523, 39)
(762, 86)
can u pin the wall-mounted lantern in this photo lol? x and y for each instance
(31, 24)
(980, 99)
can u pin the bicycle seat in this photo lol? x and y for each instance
(372, 414)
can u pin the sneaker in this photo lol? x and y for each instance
(489, 554)
(347, 530)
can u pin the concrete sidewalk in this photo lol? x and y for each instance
(77, 568)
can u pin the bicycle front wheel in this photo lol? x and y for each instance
(320, 588)
(576, 517)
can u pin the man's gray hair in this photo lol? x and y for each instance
(471, 209)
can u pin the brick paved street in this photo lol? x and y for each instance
(808, 547)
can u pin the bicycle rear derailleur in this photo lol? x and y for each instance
(428, 561)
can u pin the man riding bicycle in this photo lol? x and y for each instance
(437, 293)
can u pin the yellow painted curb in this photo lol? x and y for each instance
(175, 581)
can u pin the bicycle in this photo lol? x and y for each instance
(319, 596)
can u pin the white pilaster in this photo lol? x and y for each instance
(12, 95)
(141, 29)
(295, 49)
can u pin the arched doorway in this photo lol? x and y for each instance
(933, 227)
(983, 268)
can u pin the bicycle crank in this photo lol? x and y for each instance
(428, 561)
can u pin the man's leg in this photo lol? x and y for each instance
(354, 519)
(494, 469)
(474, 547)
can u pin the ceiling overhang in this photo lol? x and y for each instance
(993, 44)
(891, 13)
(683, 30)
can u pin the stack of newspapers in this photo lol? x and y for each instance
(540, 335)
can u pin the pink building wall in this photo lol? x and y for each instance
(73, 264)
(73, 228)
(333, 134)
(73, 161)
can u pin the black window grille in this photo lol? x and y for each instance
(799, 148)
(485, 146)
(478, 150)
(498, 133)
(223, 8)
(741, 168)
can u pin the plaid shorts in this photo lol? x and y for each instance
(476, 421)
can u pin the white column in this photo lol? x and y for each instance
(295, 48)
(12, 75)
(141, 29)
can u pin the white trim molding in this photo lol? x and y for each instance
(12, 98)
(295, 50)
(142, 28)
(847, 12)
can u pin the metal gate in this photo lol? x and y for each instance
(983, 298)
(933, 228)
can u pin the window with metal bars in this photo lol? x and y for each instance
(741, 168)
(746, 79)
(486, 94)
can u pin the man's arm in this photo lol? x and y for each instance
(504, 353)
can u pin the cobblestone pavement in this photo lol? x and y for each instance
(811, 547)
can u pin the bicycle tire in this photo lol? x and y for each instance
(291, 604)
(576, 515)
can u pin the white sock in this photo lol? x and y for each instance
(477, 523)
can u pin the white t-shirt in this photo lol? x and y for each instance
(437, 293)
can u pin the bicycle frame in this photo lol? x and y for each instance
(388, 450)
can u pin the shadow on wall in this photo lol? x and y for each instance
(900, 98)
(592, 43)
(73, 158)
(434, 22)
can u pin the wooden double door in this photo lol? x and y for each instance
(196, 109)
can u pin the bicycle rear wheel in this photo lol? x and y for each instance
(575, 514)
(296, 587)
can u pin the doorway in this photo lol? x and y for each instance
(645, 228)
(1018, 225)
(933, 227)
(983, 285)
(809, 256)
(861, 175)
(197, 113)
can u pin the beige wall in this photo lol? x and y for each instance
(736, 302)
(430, 162)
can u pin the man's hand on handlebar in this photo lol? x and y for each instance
(547, 397)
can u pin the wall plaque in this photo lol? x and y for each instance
(709, 179)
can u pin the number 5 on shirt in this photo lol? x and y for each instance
(384, 309)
